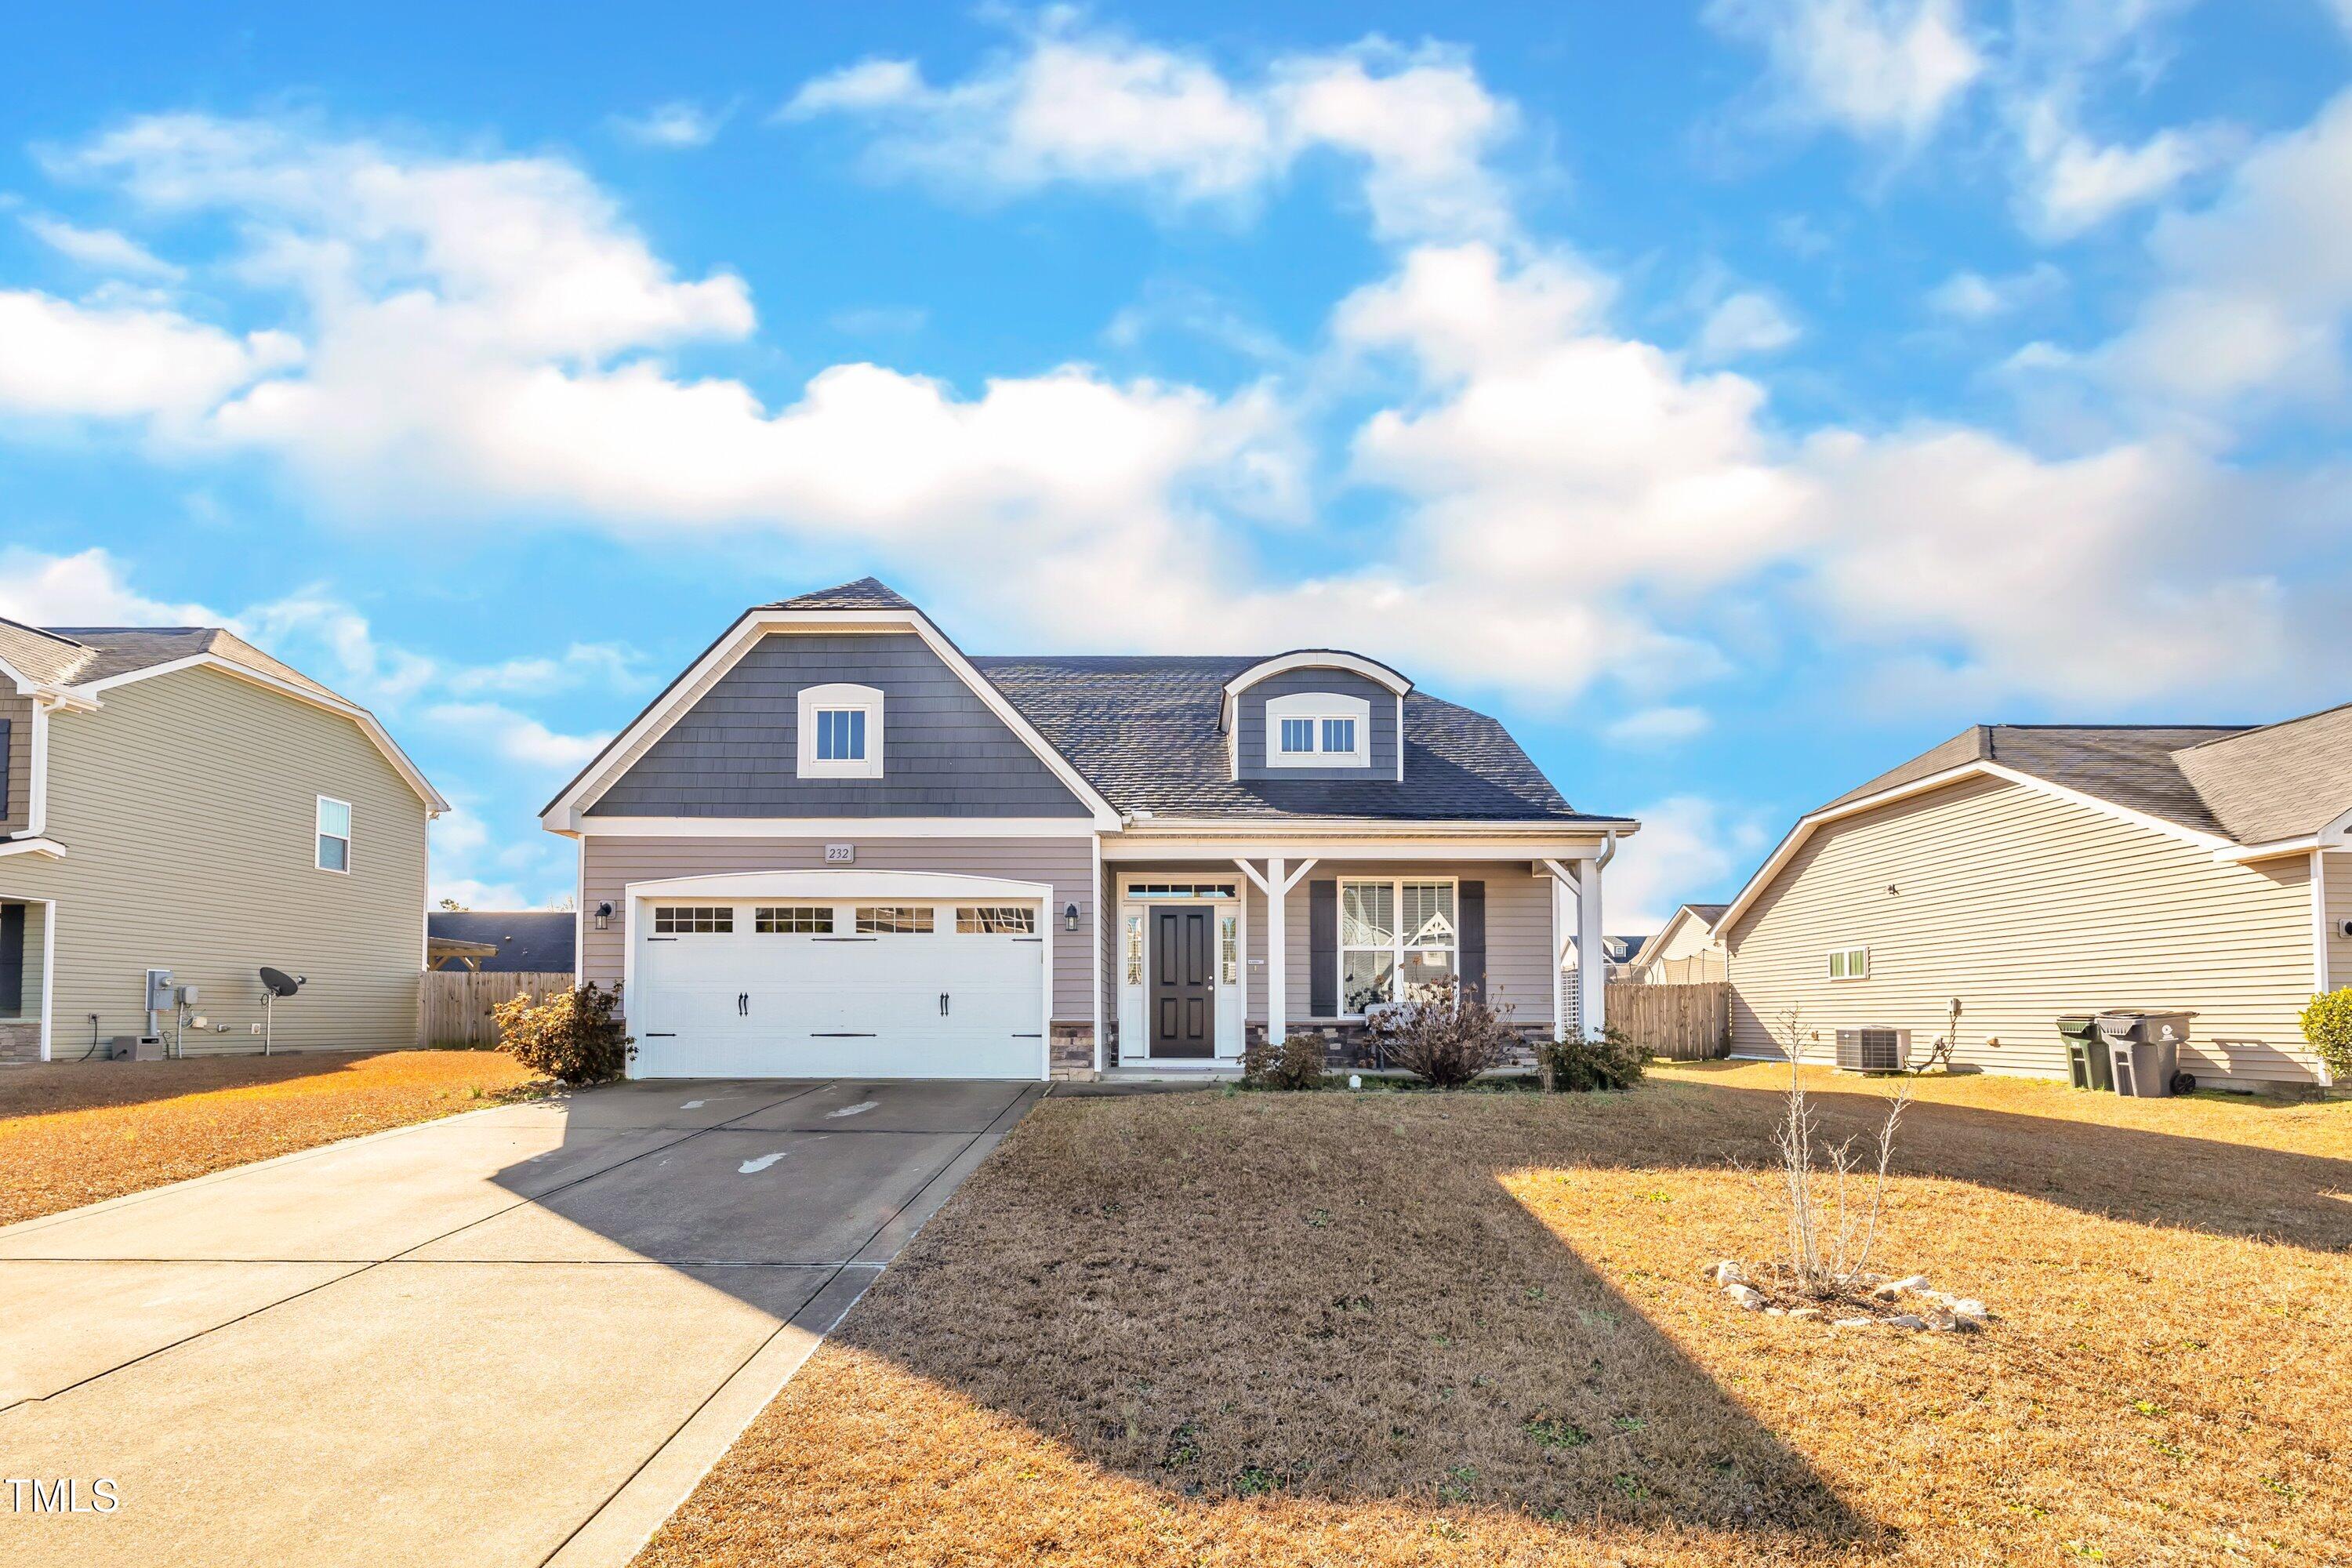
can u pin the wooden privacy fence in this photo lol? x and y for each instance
(1682, 1023)
(455, 1009)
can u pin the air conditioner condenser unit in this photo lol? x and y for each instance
(1874, 1050)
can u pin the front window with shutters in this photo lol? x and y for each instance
(1396, 937)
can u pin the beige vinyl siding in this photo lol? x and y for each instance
(187, 805)
(1519, 932)
(2025, 906)
(18, 711)
(608, 863)
(2336, 880)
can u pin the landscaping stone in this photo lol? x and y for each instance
(1907, 1321)
(1971, 1308)
(1723, 1273)
(1855, 1323)
(1746, 1296)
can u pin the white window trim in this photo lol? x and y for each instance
(319, 831)
(1397, 947)
(1829, 963)
(839, 695)
(1316, 707)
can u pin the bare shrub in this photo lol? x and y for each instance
(1833, 1194)
(572, 1035)
(1296, 1063)
(1442, 1034)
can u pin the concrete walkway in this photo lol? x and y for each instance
(517, 1337)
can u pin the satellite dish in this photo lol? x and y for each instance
(280, 984)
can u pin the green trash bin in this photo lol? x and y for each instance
(2089, 1063)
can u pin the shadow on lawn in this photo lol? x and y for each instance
(2120, 1173)
(73, 1085)
(1327, 1306)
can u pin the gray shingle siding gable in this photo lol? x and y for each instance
(1250, 716)
(944, 753)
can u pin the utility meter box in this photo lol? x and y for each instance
(185, 996)
(159, 991)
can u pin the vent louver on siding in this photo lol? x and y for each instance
(1874, 1050)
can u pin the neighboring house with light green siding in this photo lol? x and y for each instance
(177, 799)
(2035, 870)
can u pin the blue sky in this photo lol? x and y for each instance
(1738, 397)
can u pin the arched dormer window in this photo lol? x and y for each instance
(1318, 729)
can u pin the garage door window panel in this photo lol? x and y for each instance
(693, 919)
(792, 919)
(894, 920)
(996, 919)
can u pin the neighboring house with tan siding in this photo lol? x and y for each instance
(2035, 870)
(177, 799)
(838, 846)
(1686, 952)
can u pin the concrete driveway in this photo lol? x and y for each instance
(514, 1337)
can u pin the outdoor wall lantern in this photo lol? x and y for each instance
(604, 916)
(1070, 915)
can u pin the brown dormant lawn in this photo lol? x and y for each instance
(1390, 1329)
(75, 1133)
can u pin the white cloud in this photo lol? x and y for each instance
(1871, 68)
(676, 125)
(880, 321)
(2257, 285)
(334, 643)
(1691, 850)
(88, 588)
(1745, 323)
(1090, 106)
(607, 665)
(1657, 726)
(517, 737)
(2073, 183)
(1973, 297)
(1550, 453)
(121, 360)
(2093, 580)
(105, 250)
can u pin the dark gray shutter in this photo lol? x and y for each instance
(1470, 909)
(12, 960)
(5, 737)
(1323, 950)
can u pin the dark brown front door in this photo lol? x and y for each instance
(1184, 989)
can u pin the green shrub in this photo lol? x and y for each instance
(1442, 1034)
(1576, 1067)
(572, 1036)
(1296, 1063)
(2327, 1024)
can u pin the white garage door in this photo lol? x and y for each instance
(773, 989)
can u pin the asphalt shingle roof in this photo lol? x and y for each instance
(2252, 785)
(1143, 731)
(866, 593)
(537, 941)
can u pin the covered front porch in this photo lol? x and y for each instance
(1212, 943)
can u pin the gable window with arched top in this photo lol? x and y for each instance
(840, 732)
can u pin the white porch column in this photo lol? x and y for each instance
(1278, 949)
(1591, 952)
(1560, 929)
(1276, 884)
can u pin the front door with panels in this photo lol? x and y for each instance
(1183, 998)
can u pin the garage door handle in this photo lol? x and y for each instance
(943, 1004)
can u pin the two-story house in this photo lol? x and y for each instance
(174, 799)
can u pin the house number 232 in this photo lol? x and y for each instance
(840, 854)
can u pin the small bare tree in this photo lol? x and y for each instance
(1832, 1228)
